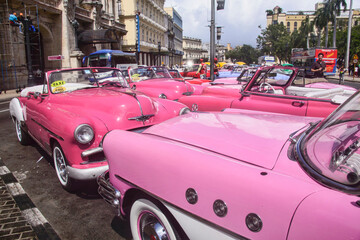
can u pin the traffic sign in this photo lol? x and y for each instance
(355, 60)
(355, 57)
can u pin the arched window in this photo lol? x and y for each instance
(295, 26)
(288, 26)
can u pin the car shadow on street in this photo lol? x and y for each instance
(86, 190)
(122, 227)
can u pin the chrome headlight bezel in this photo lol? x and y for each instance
(81, 130)
(163, 96)
(184, 110)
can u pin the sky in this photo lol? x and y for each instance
(240, 18)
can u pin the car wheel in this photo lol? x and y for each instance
(22, 136)
(148, 222)
(60, 164)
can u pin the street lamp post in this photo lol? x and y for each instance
(347, 56)
(159, 48)
(212, 40)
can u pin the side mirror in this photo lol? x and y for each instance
(133, 87)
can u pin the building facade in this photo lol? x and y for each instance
(70, 29)
(293, 19)
(193, 50)
(177, 49)
(146, 25)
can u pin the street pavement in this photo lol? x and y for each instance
(19, 217)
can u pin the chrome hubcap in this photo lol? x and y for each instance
(151, 228)
(18, 130)
(60, 165)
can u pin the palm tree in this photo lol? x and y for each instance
(305, 29)
(336, 8)
(321, 21)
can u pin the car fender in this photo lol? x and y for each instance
(326, 215)
(16, 109)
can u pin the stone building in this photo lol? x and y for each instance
(69, 29)
(293, 19)
(176, 51)
(146, 24)
(193, 50)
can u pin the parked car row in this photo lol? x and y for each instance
(268, 156)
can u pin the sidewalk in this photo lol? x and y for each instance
(19, 218)
(347, 78)
(8, 95)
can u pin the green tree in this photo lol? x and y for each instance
(246, 53)
(321, 21)
(275, 41)
(341, 41)
(269, 12)
(335, 6)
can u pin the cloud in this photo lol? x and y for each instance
(240, 18)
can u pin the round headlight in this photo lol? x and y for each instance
(184, 110)
(84, 133)
(162, 96)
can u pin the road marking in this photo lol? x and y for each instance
(4, 170)
(4, 102)
(34, 217)
(15, 189)
(6, 110)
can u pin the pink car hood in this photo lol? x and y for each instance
(111, 105)
(250, 136)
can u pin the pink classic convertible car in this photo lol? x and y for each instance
(271, 89)
(157, 82)
(69, 115)
(243, 175)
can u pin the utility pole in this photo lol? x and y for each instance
(347, 56)
(212, 40)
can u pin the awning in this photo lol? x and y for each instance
(98, 36)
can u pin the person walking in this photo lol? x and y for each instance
(342, 71)
(319, 66)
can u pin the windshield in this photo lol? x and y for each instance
(274, 76)
(175, 73)
(332, 149)
(246, 74)
(140, 74)
(75, 79)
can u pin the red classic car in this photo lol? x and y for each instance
(271, 89)
(191, 71)
(157, 82)
(176, 75)
(75, 108)
(245, 175)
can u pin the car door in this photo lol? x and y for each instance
(35, 112)
(272, 103)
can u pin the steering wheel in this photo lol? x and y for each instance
(262, 87)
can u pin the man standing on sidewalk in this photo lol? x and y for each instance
(319, 66)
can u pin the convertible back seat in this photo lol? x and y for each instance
(37, 88)
(325, 93)
(300, 91)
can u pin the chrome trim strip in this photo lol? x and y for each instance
(92, 151)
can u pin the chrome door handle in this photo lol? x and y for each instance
(298, 103)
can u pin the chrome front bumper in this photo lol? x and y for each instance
(108, 192)
(87, 173)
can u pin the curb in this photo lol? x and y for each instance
(32, 215)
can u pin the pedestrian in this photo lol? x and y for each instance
(202, 69)
(351, 69)
(216, 67)
(356, 71)
(342, 71)
(319, 66)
